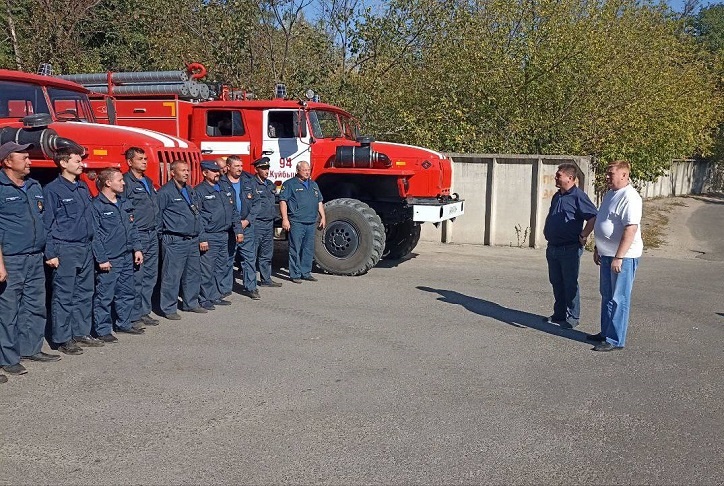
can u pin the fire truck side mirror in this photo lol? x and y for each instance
(111, 110)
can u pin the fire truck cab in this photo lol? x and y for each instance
(50, 112)
(376, 194)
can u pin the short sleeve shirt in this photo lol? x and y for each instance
(619, 209)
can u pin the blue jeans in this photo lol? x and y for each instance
(616, 299)
(563, 265)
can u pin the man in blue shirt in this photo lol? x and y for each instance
(217, 204)
(142, 195)
(570, 209)
(181, 227)
(232, 180)
(117, 249)
(22, 277)
(301, 204)
(69, 229)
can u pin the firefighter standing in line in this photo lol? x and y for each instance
(300, 204)
(22, 276)
(116, 249)
(264, 213)
(69, 227)
(232, 181)
(142, 195)
(181, 223)
(218, 217)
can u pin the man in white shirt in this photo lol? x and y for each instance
(617, 252)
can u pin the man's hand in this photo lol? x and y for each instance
(285, 224)
(3, 273)
(137, 257)
(105, 267)
(204, 246)
(582, 240)
(616, 265)
(244, 223)
(322, 223)
(240, 238)
(596, 257)
(53, 262)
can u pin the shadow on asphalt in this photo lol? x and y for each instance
(512, 317)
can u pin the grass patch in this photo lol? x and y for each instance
(653, 227)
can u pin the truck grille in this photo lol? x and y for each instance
(165, 157)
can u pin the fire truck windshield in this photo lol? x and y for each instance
(330, 124)
(18, 99)
(70, 105)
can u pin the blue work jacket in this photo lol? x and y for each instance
(218, 209)
(67, 214)
(115, 229)
(144, 201)
(302, 202)
(179, 216)
(21, 217)
(263, 200)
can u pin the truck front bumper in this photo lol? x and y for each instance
(436, 211)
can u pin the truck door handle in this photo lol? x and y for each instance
(267, 152)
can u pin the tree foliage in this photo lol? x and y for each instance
(609, 78)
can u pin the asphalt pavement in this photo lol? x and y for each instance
(433, 370)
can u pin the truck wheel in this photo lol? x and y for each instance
(401, 239)
(353, 240)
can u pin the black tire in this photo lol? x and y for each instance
(353, 240)
(401, 239)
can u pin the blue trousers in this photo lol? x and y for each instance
(616, 299)
(227, 282)
(563, 265)
(264, 243)
(145, 275)
(180, 273)
(72, 300)
(248, 258)
(214, 267)
(114, 291)
(301, 249)
(22, 308)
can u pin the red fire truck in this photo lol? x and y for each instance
(51, 112)
(376, 194)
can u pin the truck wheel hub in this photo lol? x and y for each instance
(341, 239)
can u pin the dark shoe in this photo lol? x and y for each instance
(3, 379)
(196, 310)
(208, 306)
(554, 320)
(568, 324)
(150, 321)
(173, 317)
(295, 280)
(221, 302)
(70, 348)
(606, 347)
(309, 278)
(16, 369)
(87, 341)
(596, 338)
(138, 325)
(108, 338)
(225, 295)
(253, 295)
(131, 330)
(270, 283)
(41, 356)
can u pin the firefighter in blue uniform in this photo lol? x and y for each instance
(232, 180)
(300, 205)
(69, 229)
(116, 249)
(258, 245)
(181, 227)
(142, 195)
(217, 204)
(22, 277)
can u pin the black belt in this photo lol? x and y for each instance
(185, 237)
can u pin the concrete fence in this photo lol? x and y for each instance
(507, 197)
